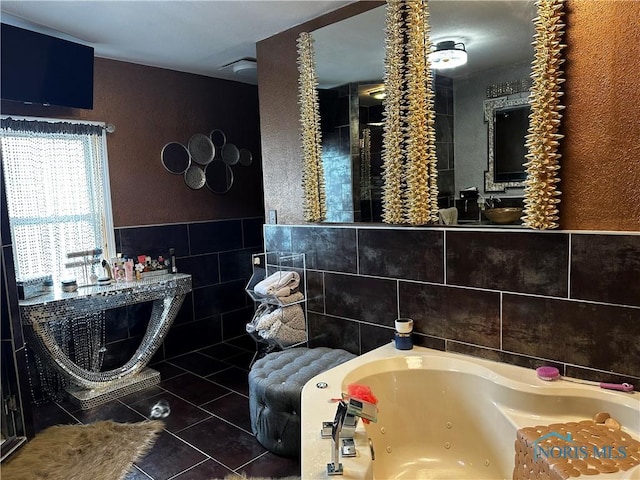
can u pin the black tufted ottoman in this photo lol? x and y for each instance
(275, 387)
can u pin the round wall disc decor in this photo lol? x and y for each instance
(230, 154)
(219, 177)
(175, 158)
(194, 177)
(218, 138)
(201, 149)
(245, 157)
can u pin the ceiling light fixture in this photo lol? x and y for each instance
(244, 70)
(378, 94)
(448, 54)
(244, 67)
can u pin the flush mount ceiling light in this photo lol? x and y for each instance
(244, 70)
(448, 54)
(378, 93)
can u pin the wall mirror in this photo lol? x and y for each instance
(497, 36)
(175, 158)
(507, 119)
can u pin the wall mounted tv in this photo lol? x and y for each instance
(37, 68)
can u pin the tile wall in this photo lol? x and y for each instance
(218, 256)
(524, 297)
(13, 358)
(339, 115)
(443, 88)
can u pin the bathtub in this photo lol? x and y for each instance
(447, 416)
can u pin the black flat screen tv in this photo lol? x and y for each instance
(38, 68)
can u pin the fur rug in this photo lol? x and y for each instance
(98, 451)
(237, 477)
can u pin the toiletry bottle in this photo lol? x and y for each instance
(115, 268)
(172, 265)
(403, 334)
(128, 270)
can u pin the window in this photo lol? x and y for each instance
(58, 197)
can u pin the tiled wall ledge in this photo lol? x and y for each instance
(570, 299)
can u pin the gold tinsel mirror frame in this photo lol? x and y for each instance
(541, 192)
(410, 174)
(410, 187)
(313, 187)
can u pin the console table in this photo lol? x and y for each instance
(88, 388)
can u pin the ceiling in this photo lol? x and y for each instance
(494, 32)
(204, 37)
(210, 37)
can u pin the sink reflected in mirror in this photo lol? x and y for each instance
(504, 215)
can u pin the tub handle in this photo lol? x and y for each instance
(373, 452)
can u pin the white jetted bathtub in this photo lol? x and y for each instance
(447, 416)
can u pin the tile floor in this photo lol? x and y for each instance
(208, 433)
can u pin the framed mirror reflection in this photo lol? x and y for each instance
(497, 36)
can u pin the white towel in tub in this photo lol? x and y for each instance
(280, 284)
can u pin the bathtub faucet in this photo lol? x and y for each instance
(344, 426)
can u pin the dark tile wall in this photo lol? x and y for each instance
(338, 112)
(371, 203)
(13, 356)
(529, 298)
(218, 256)
(443, 87)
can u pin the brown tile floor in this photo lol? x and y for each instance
(208, 433)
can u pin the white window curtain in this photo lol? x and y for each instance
(58, 198)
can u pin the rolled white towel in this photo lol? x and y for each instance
(272, 331)
(280, 284)
(284, 334)
(294, 297)
(268, 319)
(263, 310)
(291, 315)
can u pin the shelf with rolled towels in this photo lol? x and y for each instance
(278, 286)
(87, 386)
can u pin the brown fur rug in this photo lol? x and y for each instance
(242, 477)
(98, 451)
